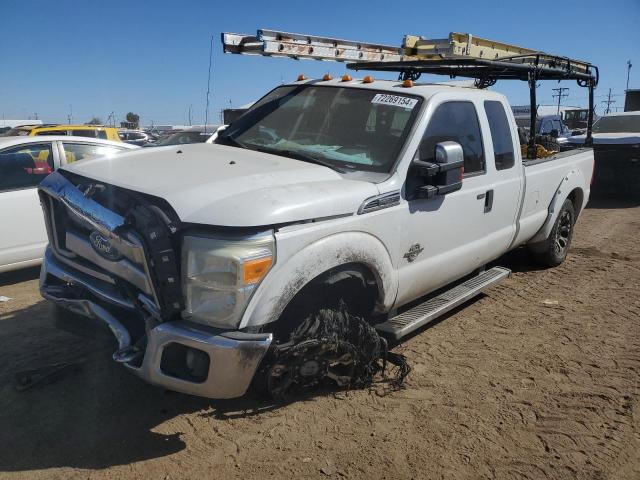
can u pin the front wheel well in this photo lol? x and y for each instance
(351, 283)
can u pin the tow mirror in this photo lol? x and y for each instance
(444, 174)
(554, 133)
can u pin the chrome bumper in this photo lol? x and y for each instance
(233, 356)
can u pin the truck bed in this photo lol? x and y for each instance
(541, 186)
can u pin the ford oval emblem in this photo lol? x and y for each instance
(103, 246)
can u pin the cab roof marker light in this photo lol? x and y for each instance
(346, 78)
(367, 79)
(301, 78)
(327, 77)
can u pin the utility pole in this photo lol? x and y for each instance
(190, 114)
(206, 111)
(560, 95)
(608, 101)
(628, 72)
(70, 116)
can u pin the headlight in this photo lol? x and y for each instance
(220, 275)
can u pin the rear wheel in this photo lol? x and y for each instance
(552, 251)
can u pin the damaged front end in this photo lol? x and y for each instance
(113, 255)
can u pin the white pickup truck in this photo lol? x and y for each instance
(348, 193)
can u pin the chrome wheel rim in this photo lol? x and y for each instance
(563, 232)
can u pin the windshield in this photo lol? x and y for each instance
(180, 138)
(618, 124)
(347, 128)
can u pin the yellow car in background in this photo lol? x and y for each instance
(91, 131)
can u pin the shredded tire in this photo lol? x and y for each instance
(331, 348)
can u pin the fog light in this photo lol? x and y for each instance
(185, 363)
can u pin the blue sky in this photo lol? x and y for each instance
(94, 57)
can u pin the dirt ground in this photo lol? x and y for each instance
(536, 379)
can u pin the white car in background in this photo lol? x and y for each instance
(24, 162)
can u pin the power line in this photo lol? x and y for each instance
(560, 95)
(608, 101)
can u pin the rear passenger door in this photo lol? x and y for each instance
(507, 179)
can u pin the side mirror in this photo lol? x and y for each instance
(554, 133)
(444, 174)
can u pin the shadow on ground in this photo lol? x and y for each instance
(608, 201)
(95, 416)
(18, 276)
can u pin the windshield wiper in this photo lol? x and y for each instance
(305, 157)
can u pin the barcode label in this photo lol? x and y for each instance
(395, 100)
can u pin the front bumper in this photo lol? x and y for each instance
(233, 357)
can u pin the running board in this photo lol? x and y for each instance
(405, 323)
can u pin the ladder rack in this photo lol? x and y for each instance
(414, 48)
(460, 54)
(298, 46)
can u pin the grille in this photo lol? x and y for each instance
(73, 219)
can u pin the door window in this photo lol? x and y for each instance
(500, 135)
(25, 166)
(457, 122)
(82, 151)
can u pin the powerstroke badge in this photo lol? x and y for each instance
(394, 100)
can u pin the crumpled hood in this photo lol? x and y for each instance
(228, 186)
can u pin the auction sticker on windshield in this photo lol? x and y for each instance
(395, 100)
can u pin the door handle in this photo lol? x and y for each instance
(488, 201)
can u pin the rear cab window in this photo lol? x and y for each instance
(500, 134)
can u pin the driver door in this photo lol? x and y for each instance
(444, 237)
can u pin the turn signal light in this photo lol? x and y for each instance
(327, 77)
(301, 77)
(254, 270)
(407, 83)
(346, 78)
(367, 79)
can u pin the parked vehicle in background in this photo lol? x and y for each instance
(136, 137)
(187, 136)
(547, 126)
(616, 143)
(90, 131)
(24, 162)
(576, 120)
(22, 130)
(632, 100)
(369, 192)
(7, 124)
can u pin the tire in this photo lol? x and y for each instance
(552, 251)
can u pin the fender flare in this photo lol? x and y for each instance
(571, 181)
(286, 280)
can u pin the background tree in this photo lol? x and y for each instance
(133, 118)
(95, 121)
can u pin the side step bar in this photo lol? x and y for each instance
(405, 323)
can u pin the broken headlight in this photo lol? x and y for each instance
(220, 275)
